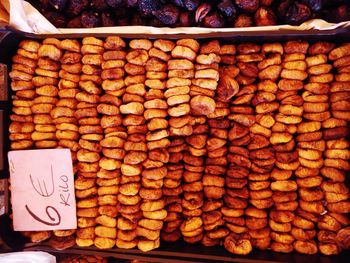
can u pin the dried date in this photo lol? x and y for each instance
(56, 19)
(99, 5)
(114, 3)
(147, 7)
(297, 14)
(191, 5)
(228, 8)
(168, 14)
(75, 22)
(107, 20)
(58, 4)
(90, 19)
(249, 6)
(76, 7)
(214, 20)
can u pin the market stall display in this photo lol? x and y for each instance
(240, 144)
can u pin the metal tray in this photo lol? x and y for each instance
(168, 252)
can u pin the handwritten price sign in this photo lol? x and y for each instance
(42, 190)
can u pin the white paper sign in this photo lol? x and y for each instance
(42, 190)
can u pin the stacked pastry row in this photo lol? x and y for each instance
(243, 145)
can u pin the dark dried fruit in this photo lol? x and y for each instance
(341, 13)
(137, 20)
(266, 2)
(191, 5)
(75, 7)
(123, 22)
(155, 22)
(214, 20)
(264, 17)
(56, 19)
(297, 14)
(90, 19)
(58, 4)
(168, 14)
(75, 22)
(42, 4)
(114, 3)
(243, 21)
(120, 12)
(283, 7)
(186, 19)
(249, 6)
(131, 3)
(146, 7)
(202, 11)
(314, 5)
(98, 5)
(107, 20)
(179, 3)
(228, 8)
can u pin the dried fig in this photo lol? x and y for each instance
(202, 105)
(343, 238)
(227, 88)
(248, 69)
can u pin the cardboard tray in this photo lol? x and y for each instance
(177, 252)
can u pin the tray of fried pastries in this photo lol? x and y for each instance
(191, 149)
